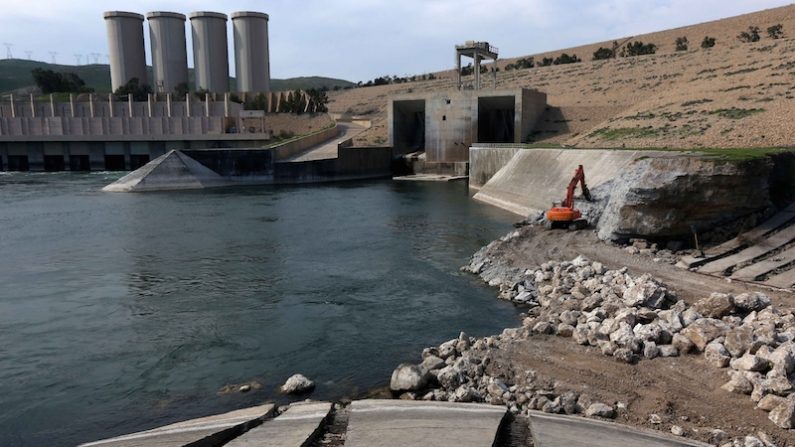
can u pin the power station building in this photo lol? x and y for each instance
(169, 50)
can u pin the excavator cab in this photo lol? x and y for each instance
(563, 214)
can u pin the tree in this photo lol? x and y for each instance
(140, 92)
(602, 54)
(681, 44)
(317, 101)
(776, 31)
(546, 62)
(708, 42)
(752, 35)
(258, 102)
(566, 59)
(55, 82)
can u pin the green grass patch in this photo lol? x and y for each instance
(622, 133)
(735, 113)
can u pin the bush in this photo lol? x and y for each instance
(752, 35)
(681, 44)
(525, 62)
(776, 31)
(566, 59)
(139, 92)
(638, 49)
(603, 53)
(546, 62)
(708, 42)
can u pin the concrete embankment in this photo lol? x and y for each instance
(486, 160)
(534, 178)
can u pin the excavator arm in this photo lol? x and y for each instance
(579, 177)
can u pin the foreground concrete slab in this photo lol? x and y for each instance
(296, 427)
(552, 430)
(761, 248)
(203, 432)
(398, 423)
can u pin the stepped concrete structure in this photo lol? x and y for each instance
(172, 171)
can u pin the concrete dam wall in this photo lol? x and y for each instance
(534, 178)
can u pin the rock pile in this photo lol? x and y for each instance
(635, 318)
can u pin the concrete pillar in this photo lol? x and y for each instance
(494, 73)
(13, 107)
(110, 105)
(207, 104)
(226, 105)
(477, 70)
(91, 105)
(168, 104)
(130, 105)
(52, 105)
(72, 104)
(32, 106)
(149, 103)
(187, 105)
(457, 70)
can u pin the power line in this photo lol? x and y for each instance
(8, 50)
(78, 58)
(53, 54)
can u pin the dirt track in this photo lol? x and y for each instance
(684, 391)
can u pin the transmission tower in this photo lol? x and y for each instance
(53, 54)
(96, 57)
(8, 50)
(29, 54)
(78, 58)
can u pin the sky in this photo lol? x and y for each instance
(359, 40)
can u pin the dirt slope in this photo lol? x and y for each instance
(732, 95)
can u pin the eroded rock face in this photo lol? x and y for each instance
(647, 200)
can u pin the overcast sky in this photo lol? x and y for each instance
(361, 39)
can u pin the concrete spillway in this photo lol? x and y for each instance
(534, 178)
(172, 171)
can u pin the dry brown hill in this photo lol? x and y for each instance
(732, 95)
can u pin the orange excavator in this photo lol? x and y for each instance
(564, 215)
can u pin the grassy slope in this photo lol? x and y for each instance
(15, 74)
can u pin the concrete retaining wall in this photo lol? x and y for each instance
(485, 161)
(295, 147)
(352, 163)
(534, 178)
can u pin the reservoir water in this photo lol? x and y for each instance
(121, 312)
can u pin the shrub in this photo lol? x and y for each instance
(776, 31)
(708, 42)
(681, 44)
(140, 92)
(602, 54)
(546, 62)
(566, 59)
(752, 35)
(638, 48)
(525, 62)
(55, 82)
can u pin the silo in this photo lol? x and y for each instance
(252, 58)
(210, 53)
(169, 53)
(125, 47)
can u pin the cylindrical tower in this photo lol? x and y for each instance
(210, 53)
(125, 47)
(252, 58)
(169, 53)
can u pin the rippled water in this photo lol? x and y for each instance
(120, 312)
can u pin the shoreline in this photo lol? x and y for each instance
(634, 373)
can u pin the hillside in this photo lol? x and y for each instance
(15, 75)
(732, 95)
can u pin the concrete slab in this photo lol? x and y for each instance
(296, 427)
(783, 280)
(171, 171)
(534, 178)
(753, 271)
(429, 178)
(761, 248)
(397, 423)
(208, 431)
(572, 431)
(745, 239)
